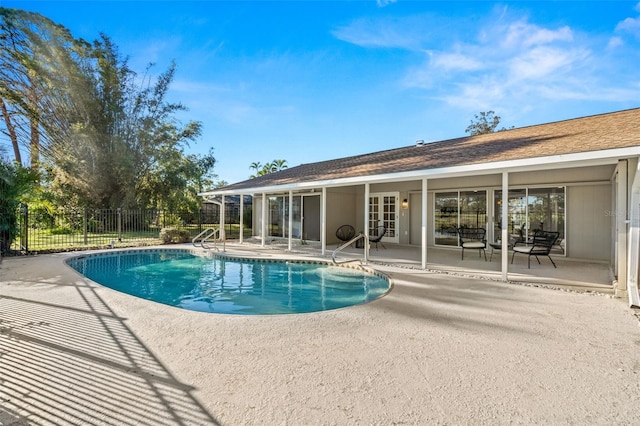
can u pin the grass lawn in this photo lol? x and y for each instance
(45, 239)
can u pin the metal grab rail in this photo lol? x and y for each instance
(348, 243)
(202, 238)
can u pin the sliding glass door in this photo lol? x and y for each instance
(457, 209)
(305, 217)
(532, 209)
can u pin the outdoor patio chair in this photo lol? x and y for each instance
(543, 242)
(345, 233)
(376, 236)
(473, 238)
(521, 237)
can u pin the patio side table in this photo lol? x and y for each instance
(497, 246)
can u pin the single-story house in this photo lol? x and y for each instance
(577, 177)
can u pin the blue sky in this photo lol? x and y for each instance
(307, 81)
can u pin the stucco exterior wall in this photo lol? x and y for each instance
(589, 222)
(341, 210)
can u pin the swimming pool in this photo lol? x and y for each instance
(221, 284)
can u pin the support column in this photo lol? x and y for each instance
(366, 222)
(263, 225)
(290, 219)
(423, 235)
(621, 219)
(634, 241)
(241, 237)
(323, 221)
(223, 235)
(504, 231)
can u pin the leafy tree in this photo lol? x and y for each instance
(41, 81)
(131, 140)
(272, 167)
(15, 182)
(486, 122)
(107, 136)
(176, 180)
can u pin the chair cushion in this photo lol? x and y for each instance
(473, 244)
(523, 249)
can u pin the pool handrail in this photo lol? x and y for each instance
(204, 236)
(348, 243)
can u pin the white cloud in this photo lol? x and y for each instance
(630, 25)
(479, 96)
(455, 61)
(505, 61)
(519, 65)
(383, 3)
(615, 42)
(379, 33)
(522, 34)
(545, 62)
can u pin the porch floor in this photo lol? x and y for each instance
(570, 274)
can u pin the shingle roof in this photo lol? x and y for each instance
(594, 133)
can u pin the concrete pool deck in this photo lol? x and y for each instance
(438, 349)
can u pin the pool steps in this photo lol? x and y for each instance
(347, 244)
(202, 238)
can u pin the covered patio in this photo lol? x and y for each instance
(570, 275)
(577, 179)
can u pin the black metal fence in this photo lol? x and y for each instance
(42, 231)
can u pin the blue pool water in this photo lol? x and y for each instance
(232, 286)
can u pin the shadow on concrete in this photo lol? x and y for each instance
(78, 363)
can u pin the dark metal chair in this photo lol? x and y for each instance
(541, 245)
(376, 236)
(473, 238)
(345, 233)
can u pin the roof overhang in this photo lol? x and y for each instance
(584, 159)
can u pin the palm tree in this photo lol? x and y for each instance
(274, 166)
(278, 165)
(256, 165)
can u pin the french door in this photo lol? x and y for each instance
(383, 211)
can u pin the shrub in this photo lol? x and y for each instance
(174, 235)
(15, 182)
(62, 230)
